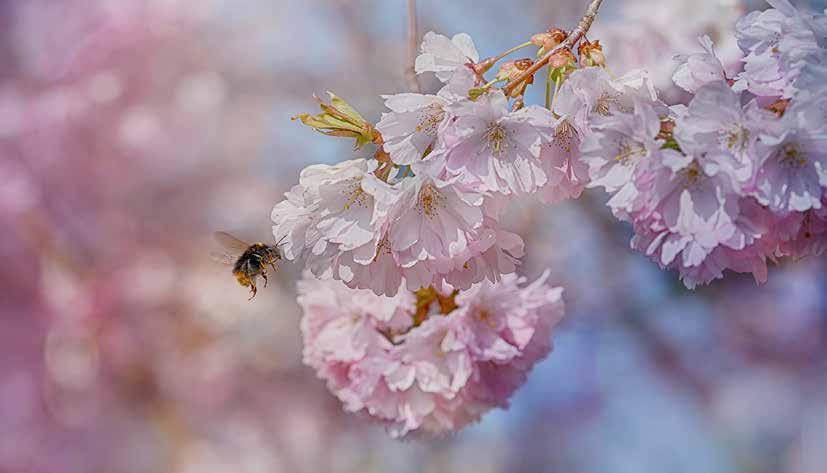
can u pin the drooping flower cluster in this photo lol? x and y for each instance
(732, 179)
(737, 177)
(427, 362)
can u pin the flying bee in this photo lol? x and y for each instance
(249, 260)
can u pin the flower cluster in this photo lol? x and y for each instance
(415, 315)
(427, 362)
(739, 175)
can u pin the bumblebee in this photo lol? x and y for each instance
(249, 260)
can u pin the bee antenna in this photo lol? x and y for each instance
(280, 241)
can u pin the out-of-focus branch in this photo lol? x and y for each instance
(568, 43)
(413, 39)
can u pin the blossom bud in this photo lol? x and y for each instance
(506, 69)
(483, 66)
(562, 59)
(667, 127)
(591, 53)
(540, 39)
(557, 37)
(549, 40)
(338, 118)
(510, 70)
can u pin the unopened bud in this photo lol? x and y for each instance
(550, 39)
(540, 39)
(510, 70)
(557, 36)
(523, 64)
(338, 118)
(482, 67)
(562, 58)
(591, 53)
(667, 127)
(506, 69)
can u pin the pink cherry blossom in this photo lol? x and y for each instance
(620, 148)
(332, 211)
(431, 376)
(791, 162)
(778, 42)
(486, 143)
(698, 69)
(717, 127)
(410, 129)
(444, 56)
(591, 92)
(566, 172)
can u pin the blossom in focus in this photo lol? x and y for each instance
(331, 211)
(486, 143)
(432, 221)
(427, 363)
(410, 129)
(587, 95)
(566, 173)
(591, 92)
(443, 56)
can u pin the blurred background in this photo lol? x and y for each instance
(131, 130)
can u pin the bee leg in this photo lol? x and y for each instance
(264, 275)
(253, 290)
(273, 265)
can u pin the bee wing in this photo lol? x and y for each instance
(230, 242)
(223, 258)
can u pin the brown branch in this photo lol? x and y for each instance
(413, 39)
(575, 36)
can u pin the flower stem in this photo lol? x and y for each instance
(512, 50)
(575, 36)
(556, 89)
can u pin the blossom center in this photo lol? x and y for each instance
(735, 138)
(604, 104)
(564, 135)
(485, 317)
(692, 174)
(356, 195)
(429, 302)
(791, 155)
(383, 248)
(429, 201)
(626, 150)
(429, 119)
(496, 138)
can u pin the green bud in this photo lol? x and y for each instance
(338, 118)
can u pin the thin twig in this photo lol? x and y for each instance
(569, 42)
(413, 39)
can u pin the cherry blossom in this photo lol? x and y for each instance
(698, 69)
(444, 56)
(500, 149)
(414, 314)
(427, 363)
(791, 163)
(778, 42)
